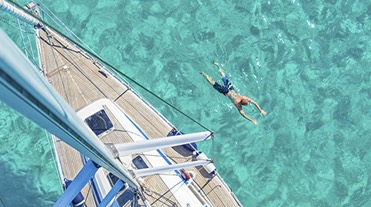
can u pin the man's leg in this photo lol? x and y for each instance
(219, 67)
(226, 82)
(215, 85)
(208, 78)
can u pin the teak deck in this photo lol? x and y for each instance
(77, 79)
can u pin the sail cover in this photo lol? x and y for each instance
(19, 14)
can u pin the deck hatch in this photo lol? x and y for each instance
(139, 162)
(99, 122)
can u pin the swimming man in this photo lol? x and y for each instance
(228, 90)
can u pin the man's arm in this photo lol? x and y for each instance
(247, 117)
(258, 107)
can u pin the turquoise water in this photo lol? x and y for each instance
(307, 63)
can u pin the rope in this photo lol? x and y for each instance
(213, 149)
(2, 202)
(22, 29)
(61, 24)
(171, 157)
(50, 140)
(156, 96)
(30, 54)
(24, 44)
(8, 22)
(87, 195)
(29, 43)
(72, 61)
(130, 132)
(59, 72)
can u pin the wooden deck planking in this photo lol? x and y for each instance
(109, 84)
(58, 84)
(119, 134)
(53, 60)
(104, 85)
(71, 162)
(213, 187)
(156, 127)
(80, 92)
(158, 193)
(88, 67)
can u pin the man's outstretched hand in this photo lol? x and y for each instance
(263, 113)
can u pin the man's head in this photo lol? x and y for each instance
(245, 102)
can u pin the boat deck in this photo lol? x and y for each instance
(79, 81)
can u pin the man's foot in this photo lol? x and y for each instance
(208, 78)
(215, 63)
(263, 113)
(219, 67)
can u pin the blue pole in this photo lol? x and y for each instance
(112, 193)
(82, 178)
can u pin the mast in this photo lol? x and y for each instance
(19, 14)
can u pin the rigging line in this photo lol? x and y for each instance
(8, 23)
(73, 62)
(91, 69)
(167, 155)
(29, 43)
(50, 140)
(61, 23)
(28, 53)
(35, 63)
(33, 59)
(24, 44)
(69, 58)
(116, 70)
(51, 44)
(156, 96)
(129, 132)
(2, 202)
(213, 150)
(54, 18)
(87, 194)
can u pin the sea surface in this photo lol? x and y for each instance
(306, 63)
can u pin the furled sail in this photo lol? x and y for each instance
(19, 14)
